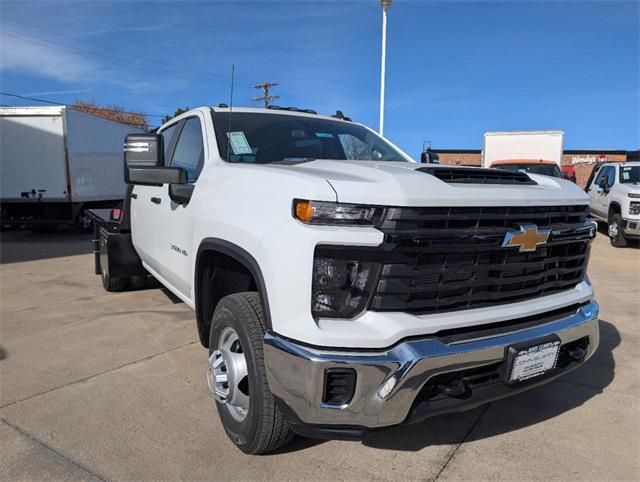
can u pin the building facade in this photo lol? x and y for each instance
(574, 162)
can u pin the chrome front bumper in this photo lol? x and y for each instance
(631, 227)
(296, 373)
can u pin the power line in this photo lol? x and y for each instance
(265, 86)
(183, 70)
(90, 54)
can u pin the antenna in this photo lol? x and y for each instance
(233, 69)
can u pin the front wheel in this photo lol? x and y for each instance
(615, 231)
(237, 378)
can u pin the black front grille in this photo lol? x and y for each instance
(476, 175)
(447, 259)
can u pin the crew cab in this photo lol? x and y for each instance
(614, 189)
(341, 287)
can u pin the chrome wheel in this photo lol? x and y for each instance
(613, 230)
(227, 375)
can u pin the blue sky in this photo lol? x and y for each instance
(454, 71)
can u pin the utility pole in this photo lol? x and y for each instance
(385, 6)
(266, 97)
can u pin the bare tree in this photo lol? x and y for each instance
(113, 112)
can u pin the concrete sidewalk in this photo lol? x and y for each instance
(111, 386)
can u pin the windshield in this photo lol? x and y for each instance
(630, 174)
(265, 138)
(544, 169)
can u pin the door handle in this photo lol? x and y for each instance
(156, 200)
(134, 195)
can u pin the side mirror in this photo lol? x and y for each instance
(604, 184)
(155, 176)
(144, 159)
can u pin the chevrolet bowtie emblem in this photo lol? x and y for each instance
(528, 239)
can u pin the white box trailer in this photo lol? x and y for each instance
(531, 145)
(55, 162)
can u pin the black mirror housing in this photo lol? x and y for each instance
(142, 151)
(155, 176)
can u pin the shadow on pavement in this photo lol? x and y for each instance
(528, 408)
(17, 246)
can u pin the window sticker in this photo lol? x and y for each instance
(626, 173)
(324, 135)
(239, 143)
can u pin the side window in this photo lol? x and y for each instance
(189, 151)
(607, 172)
(600, 175)
(167, 137)
(612, 175)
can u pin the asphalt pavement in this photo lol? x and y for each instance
(97, 385)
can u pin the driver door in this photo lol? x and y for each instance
(175, 221)
(599, 198)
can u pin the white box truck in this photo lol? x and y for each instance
(537, 152)
(55, 162)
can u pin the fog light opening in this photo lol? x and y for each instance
(386, 388)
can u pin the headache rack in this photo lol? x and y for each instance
(477, 175)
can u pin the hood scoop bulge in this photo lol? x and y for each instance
(477, 175)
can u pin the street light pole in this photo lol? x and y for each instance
(385, 6)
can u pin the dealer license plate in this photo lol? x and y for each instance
(533, 361)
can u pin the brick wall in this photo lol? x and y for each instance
(460, 159)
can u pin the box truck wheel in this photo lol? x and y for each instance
(237, 379)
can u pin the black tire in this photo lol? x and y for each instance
(264, 429)
(616, 236)
(112, 284)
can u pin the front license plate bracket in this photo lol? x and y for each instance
(531, 359)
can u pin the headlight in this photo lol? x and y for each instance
(318, 212)
(634, 208)
(341, 287)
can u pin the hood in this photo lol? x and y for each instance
(400, 184)
(629, 187)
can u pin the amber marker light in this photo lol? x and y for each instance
(304, 211)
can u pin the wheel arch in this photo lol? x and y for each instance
(614, 207)
(213, 250)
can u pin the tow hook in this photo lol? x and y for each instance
(577, 353)
(457, 388)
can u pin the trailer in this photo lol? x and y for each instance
(56, 162)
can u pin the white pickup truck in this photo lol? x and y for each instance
(614, 189)
(339, 286)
